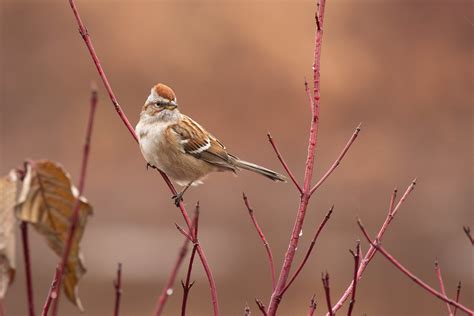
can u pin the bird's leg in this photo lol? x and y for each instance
(178, 197)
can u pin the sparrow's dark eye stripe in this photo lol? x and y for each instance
(166, 102)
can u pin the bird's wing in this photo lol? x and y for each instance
(197, 142)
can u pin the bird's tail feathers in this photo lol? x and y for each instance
(260, 170)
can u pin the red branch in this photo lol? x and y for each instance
(458, 293)
(338, 160)
(261, 306)
(310, 249)
(305, 196)
(441, 284)
(356, 256)
(77, 203)
(285, 166)
(312, 306)
(52, 294)
(88, 41)
(118, 290)
(29, 279)
(262, 237)
(327, 291)
(392, 210)
(187, 286)
(168, 288)
(413, 277)
(467, 231)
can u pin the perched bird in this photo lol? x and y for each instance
(180, 147)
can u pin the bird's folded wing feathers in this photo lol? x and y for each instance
(200, 144)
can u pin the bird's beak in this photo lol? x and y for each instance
(171, 106)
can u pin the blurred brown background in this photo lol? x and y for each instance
(403, 68)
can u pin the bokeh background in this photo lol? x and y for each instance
(403, 68)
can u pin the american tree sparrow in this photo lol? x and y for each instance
(180, 147)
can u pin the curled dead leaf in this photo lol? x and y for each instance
(8, 193)
(46, 200)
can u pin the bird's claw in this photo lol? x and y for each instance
(177, 198)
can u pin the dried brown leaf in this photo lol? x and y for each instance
(46, 201)
(8, 192)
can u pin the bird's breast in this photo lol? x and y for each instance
(151, 139)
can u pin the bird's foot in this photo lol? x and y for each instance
(178, 198)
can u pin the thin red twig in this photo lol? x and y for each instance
(261, 306)
(118, 289)
(338, 160)
(392, 210)
(410, 275)
(77, 203)
(262, 237)
(467, 231)
(312, 306)
(309, 165)
(356, 256)
(458, 293)
(168, 288)
(88, 41)
(187, 286)
(310, 249)
(29, 279)
(52, 294)
(441, 284)
(327, 291)
(280, 157)
(183, 232)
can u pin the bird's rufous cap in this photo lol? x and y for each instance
(164, 91)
